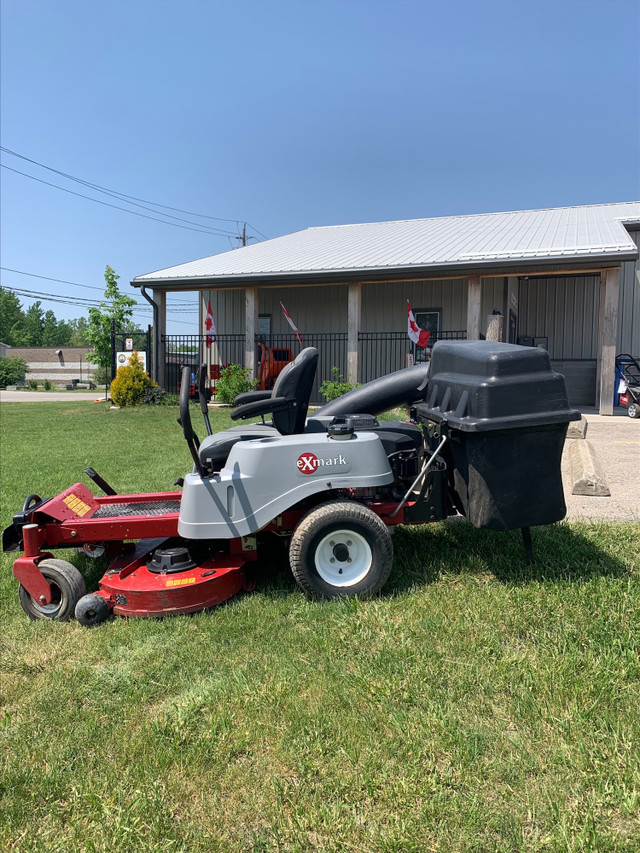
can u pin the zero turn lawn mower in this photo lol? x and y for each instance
(484, 440)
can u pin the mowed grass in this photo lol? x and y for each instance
(477, 705)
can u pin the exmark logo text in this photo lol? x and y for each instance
(308, 463)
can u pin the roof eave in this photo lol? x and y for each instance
(486, 267)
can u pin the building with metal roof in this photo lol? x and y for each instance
(563, 277)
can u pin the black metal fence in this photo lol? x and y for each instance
(379, 353)
(127, 342)
(192, 350)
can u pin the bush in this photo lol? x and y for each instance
(33, 384)
(101, 375)
(234, 380)
(12, 370)
(153, 396)
(336, 387)
(48, 385)
(131, 383)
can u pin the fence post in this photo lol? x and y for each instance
(113, 349)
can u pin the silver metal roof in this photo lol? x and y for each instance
(590, 233)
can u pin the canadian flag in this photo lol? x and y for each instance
(417, 335)
(291, 323)
(210, 326)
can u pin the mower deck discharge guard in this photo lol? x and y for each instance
(484, 441)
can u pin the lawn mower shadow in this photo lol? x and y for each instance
(423, 556)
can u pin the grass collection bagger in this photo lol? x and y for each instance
(484, 438)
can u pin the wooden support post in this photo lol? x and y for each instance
(474, 301)
(251, 328)
(160, 355)
(353, 327)
(607, 333)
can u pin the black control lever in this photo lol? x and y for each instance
(202, 394)
(97, 479)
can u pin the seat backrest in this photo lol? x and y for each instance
(295, 382)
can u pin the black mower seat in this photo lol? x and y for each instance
(287, 404)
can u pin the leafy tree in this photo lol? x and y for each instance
(33, 325)
(11, 316)
(118, 307)
(12, 370)
(79, 329)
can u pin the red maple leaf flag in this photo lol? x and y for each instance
(210, 326)
(418, 336)
(291, 323)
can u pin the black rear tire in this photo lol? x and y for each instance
(634, 410)
(339, 550)
(67, 588)
(92, 610)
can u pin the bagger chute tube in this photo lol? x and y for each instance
(483, 438)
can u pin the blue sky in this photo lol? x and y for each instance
(293, 113)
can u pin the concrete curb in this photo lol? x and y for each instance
(586, 474)
(577, 429)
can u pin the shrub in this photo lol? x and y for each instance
(234, 380)
(153, 396)
(48, 385)
(336, 387)
(33, 384)
(12, 370)
(131, 383)
(101, 375)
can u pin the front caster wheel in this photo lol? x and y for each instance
(92, 610)
(67, 588)
(634, 410)
(341, 549)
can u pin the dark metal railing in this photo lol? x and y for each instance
(379, 353)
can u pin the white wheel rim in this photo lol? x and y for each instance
(343, 558)
(49, 610)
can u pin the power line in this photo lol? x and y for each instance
(200, 230)
(131, 199)
(73, 283)
(116, 192)
(79, 301)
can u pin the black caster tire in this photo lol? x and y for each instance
(67, 588)
(634, 410)
(92, 610)
(340, 550)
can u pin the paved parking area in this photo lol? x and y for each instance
(616, 442)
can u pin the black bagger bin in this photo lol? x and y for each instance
(505, 414)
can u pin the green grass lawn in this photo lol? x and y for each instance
(477, 705)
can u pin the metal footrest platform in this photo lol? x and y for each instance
(151, 509)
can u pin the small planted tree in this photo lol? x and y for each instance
(117, 307)
(131, 383)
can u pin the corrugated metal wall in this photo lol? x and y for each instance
(564, 310)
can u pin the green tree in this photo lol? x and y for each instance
(11, 317)
(55, 332)
(33, 325)
(79, 329)
(117, 307)
(12, 370)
